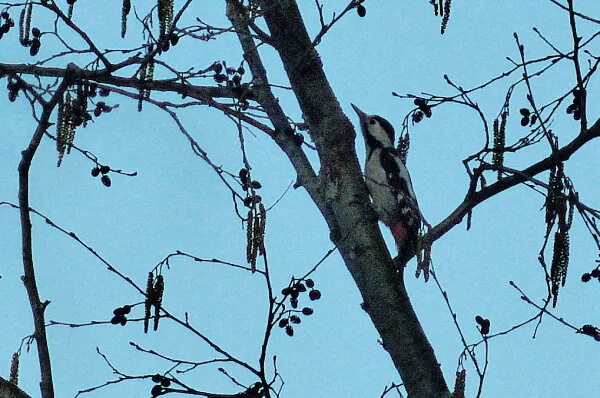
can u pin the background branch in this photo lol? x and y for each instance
(37, 306)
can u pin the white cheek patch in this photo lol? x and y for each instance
(379, 134)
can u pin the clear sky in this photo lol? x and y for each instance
(178, 203)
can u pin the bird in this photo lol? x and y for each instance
(389, 183)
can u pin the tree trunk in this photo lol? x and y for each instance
(342, 198)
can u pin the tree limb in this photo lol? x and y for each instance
(283, 134)
(37, 307)
(102, 76)
(345, 205)
(474, 198)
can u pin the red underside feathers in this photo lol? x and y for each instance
(399, 231)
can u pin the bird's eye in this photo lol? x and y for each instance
(372, 121)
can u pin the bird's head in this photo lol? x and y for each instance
(376, 131)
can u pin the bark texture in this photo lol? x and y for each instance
(9, 390)
(38, 307)
(342, 198)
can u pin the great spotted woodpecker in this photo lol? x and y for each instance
(389, 183)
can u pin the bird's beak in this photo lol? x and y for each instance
(361, 114)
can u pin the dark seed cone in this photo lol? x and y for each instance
(361, 10)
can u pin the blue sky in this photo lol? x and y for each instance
(177, 202)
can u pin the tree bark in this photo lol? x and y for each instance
(37, 306)
(10, 390)
(342, 198)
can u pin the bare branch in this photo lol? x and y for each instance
(474, 198)
(283, 134)
(37, 306)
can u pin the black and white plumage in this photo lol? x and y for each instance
(389, 183)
